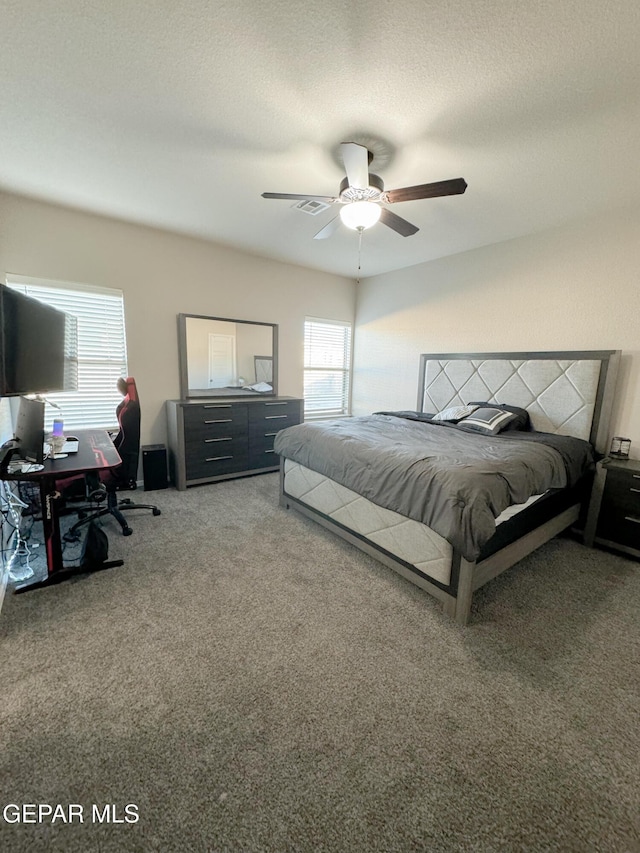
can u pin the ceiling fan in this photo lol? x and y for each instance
(362, 196)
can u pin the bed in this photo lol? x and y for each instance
(451, 503)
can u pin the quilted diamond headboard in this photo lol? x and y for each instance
(563, 392)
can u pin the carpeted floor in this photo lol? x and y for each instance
(250, 683)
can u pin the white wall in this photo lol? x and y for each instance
(575, 287)
(161, 275)
(570, 288)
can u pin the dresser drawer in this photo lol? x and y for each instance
(263, 459)
(213, 414)
(212, 431)
(273, 416)
(618, 525)
(215, 445)
(622, 489)
(216, 460)
(260, 442)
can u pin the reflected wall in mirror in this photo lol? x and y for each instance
(224, 357)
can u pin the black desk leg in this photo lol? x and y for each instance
(51, 524)
(67, 572)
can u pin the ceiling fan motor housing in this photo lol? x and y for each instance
(371, 193)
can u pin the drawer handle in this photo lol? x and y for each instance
(634, 490)
(221, 421)
(269, 451)
(269, 434)
(217, 406)
(274, 417)
(636, 476)
(631, 518)
(211, 440)
(217, 458)
(276, 404)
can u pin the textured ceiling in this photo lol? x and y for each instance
(179, 113)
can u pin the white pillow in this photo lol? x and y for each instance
(455, 413)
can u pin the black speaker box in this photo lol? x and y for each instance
(154, 467)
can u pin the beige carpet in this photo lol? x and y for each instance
(250, 683)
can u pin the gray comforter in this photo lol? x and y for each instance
(455, 481)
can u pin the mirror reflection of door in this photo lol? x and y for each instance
(219, 364)
(222, 360)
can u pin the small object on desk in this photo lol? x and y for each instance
(56, 440)
(21, 466)
(56, 443)
(70, 445)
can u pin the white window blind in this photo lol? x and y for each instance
(102, 351)
(327, 367)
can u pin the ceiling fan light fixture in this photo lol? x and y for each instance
(359, 215)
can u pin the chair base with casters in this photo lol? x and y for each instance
(113, 507)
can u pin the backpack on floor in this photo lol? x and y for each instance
(95, 548)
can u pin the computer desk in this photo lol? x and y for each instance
(96, 452)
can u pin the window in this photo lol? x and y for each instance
(102, 352)
(327, 365)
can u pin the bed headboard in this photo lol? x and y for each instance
(570, 393)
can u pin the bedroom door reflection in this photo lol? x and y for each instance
(222, 360)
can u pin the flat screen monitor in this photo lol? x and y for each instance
(29, 431)
(38, 346)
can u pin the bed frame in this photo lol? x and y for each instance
(570, 393)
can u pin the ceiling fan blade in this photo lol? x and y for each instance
(328, 199)
(439, 188)
(330, 228)
(356, 163)
(397, 223)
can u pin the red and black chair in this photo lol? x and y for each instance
(122, 478)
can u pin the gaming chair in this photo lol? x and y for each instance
(124, 477)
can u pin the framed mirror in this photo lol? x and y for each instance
(220, 357)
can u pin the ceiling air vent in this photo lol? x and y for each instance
(311, 207)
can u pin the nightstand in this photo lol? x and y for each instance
(614, 509)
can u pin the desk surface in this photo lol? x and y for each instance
(95, 451)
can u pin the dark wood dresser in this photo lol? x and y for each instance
(614, 512)
(219, 438)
